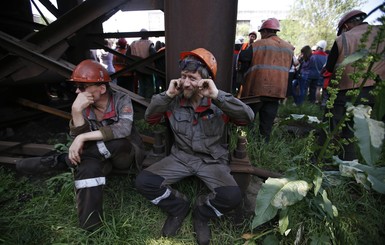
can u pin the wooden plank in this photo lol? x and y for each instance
(25, 149)
(9, 160)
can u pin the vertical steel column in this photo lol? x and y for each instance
(208, 24)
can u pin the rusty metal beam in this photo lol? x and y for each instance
(50, 7)
(207, 24)
(127, 34)
(26, 149)
(72, 21)
(51, 38)
(15, 46)
(136, 63)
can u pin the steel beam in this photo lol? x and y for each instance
(15, 46)
(206, 24)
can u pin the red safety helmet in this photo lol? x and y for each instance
(122, 42)
(347, 17)
(205, 56)
(271, 23)
(90, 71)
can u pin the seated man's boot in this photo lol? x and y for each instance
(201, 228)
(174, 223)
(36, 165)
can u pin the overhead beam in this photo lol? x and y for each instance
(25, 51)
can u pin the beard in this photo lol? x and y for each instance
(189, 93)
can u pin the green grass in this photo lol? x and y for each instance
(42, 211)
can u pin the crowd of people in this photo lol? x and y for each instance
(104, 134)
(141, 81)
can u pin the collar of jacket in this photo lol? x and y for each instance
(204, 105)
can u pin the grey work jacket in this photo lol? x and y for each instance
(117, 123)
(200, 131)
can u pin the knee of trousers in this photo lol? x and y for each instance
(89, 168)
(150, 185)
(227, 198)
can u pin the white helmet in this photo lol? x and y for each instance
(322, 44)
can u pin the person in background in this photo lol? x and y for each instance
(143, 48)
(104, 137)
(252, 38)
(292, 74)
(300, 84)
(351, 28)
(315, 79)
(125, 80)
(198, 113)
(240, 66)
(105, 58)
(266, 79)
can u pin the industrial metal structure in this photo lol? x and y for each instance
(36, 53)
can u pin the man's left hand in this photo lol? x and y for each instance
(207, 88)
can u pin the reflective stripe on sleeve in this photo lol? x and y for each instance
(126, 116)
(86, 183)
(164, 196)
(103, 149)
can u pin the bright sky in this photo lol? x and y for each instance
(242, 5)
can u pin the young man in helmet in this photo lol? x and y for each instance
(351, 28)
(104, 137)
(198, 113)
(266, 79)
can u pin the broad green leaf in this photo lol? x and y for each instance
(328, 206)
(378, 182)
(317, 183)
(291, 193)
(370, 134)
(354, 57)
(264, 211)
(283, 222)
(364, 174)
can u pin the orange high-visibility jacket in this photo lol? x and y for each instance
(269, 70)
(348, 43)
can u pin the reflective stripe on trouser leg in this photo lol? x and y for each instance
(216, 204)
(169, 200)
(89, 181)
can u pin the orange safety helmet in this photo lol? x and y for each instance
(90, 71)
(270, 23)
(348, 16)
(204, 55)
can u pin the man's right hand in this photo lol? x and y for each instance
(174, 88)
(82, 101)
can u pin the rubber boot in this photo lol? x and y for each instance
(201, 227)
(90, 207)
(36, 165)
(175, 216)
